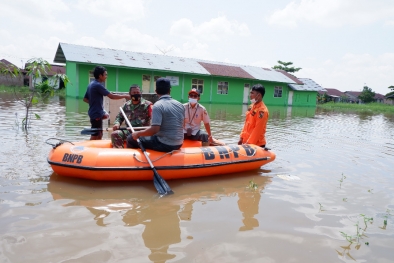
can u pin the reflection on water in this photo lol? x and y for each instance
(343, 163)
(160, 217)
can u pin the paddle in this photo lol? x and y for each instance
(90, 131)
(161, 185)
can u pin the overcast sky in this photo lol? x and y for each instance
(341, 44)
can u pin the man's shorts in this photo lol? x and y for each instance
(97, 124)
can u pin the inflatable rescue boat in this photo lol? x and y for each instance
(97, 160)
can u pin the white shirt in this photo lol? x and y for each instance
(194, 117)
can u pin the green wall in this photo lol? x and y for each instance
(119, 80)
(304, 98)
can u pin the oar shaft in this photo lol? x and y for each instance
(124, 128)
(161, 185)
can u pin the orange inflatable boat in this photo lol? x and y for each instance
(97, 160)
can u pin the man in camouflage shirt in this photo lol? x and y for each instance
(139, 113)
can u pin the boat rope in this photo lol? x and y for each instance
(170, 153)
(55, 145)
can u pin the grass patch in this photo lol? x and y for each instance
(24, 89)
(353, 107)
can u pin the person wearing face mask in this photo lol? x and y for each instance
(256, 119)
(195, 113)
(139, 113)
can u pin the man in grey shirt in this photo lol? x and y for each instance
(166, 131)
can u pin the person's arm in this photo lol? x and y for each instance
(148, 118)
(119, 119)
(152, 130)
(208, 129)
(118, 97)
(242, 134)
(86, 97)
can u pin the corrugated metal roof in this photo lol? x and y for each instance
(105, 56)
(309, 85)
(267, 74)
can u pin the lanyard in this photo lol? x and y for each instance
(188, 111)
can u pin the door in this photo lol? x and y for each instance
(290, 100)
(246, 93)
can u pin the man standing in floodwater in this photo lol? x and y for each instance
(95, 97)
(256, 119)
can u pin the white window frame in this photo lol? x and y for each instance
(221, 85)
(199, 85)
(278, 92)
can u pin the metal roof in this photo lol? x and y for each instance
(309, 85)
(105, 56)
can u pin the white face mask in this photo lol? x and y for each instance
(192, 101)
(252, 100)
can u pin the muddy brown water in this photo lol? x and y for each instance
(333, 173)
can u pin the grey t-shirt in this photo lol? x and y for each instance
(170, 115)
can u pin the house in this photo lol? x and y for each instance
(304, 91)
(7, 79)
(217, 82)
(333, 94)
(353, 97)
(56, 83)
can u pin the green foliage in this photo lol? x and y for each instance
(391, 87)
(285, 66)
(322, 98)
(44, 87)
(252, 185)
(367, 95)
(37, 69)
(374, 108)
(9, 70)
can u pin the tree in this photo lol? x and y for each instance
(36, 68)
(367, 95)
(285, 66)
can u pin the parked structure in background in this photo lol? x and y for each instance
(349, 96)
(24, 80)
(55, 83)
(217, 82)
(7, 79)
(333, 95)
(354, 97)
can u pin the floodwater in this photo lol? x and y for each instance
(328, 197)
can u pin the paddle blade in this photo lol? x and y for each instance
(88, 132)
(161, 185)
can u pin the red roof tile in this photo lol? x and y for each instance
(333, 92)
(224, 70)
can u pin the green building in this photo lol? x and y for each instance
(217, 82)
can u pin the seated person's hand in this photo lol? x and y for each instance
(116, 127)
(240, 141)
(135, 135)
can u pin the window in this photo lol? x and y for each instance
(198, 84)
(146, 82)
(223, 87)
(91, 78)
(278, 92)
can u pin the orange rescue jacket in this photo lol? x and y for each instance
(255, 125)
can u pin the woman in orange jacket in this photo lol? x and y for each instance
(256, 119)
